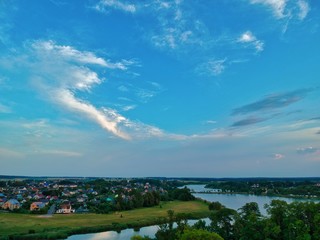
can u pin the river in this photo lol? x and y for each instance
(234, 201)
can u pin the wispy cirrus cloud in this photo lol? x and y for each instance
(278, 7)
(273, 101)
(282, 9)
(175, 29)
(105, 5)
(304, 9)
(213, 67)
(250, 40)
(141, 93)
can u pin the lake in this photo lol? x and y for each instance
(234, 201)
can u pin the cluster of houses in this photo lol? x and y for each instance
(66, 198)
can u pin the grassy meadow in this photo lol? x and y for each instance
(27, 226)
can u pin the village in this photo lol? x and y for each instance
(78, 196)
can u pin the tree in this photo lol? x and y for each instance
(215, 206)
(201, 224)
(199, 234)
(249, 223)
(222, 222)
(278, 211)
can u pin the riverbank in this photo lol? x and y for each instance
(263, 195)
(26, 226)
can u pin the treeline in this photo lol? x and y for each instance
(294, 221)
(286, 188)
(138, 199)
(135, 199)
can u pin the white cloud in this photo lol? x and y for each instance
(103, 5)
(67, 99)
(278, 156)
(304, 9)
(248, 38)
(286, 9)
(60, 71)
(212, 67)
(277, 6)
(128, 107)
(68, 53)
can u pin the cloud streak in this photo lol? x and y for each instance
(307, 150)
(104, 5)
(67, 99)
(248, 121)
(272, 102)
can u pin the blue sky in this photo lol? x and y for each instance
(160, 88)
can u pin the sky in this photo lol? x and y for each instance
(176, 88)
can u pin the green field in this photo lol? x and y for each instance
(22, 224)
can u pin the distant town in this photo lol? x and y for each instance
(62, 196)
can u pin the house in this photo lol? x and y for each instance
(36, 206)
(65, 208)
(38, 196)
(11, 204)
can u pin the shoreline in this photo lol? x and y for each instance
(260, 195)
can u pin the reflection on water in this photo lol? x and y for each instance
(112, 235)
(125, 234)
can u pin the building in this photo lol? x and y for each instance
(65, 208)
(11, 204)
(36, 206)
